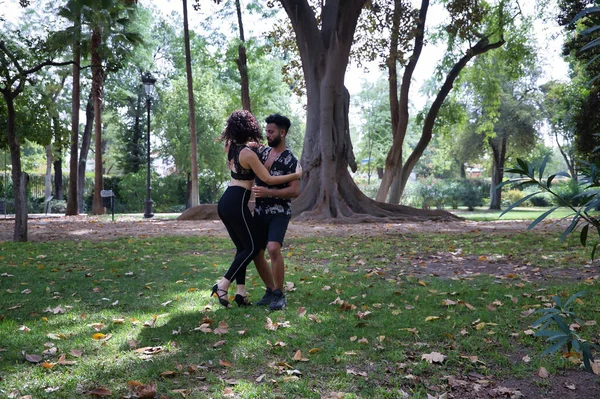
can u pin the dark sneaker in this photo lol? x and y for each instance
(266, 299)
(278, 300)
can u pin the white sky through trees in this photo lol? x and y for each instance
(548, 34)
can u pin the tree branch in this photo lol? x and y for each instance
(23, 73)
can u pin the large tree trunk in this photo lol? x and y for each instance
(72, 200)
(19, 179)
(498, 146)
(396, 174)
(86, 140)
(329, 191)
(194, 196)
(97, 208)
(242, 61)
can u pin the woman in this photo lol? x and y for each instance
(241, 129)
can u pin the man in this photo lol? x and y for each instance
(272, 211)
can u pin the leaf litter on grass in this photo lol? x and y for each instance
(383, 277)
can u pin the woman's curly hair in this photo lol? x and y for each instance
(241, 127)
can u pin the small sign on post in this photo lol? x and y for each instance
(108, 202)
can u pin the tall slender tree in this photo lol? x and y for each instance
(108, 21)
(468, 19)
(191, 107)
(242, 60)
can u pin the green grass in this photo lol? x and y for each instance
(518, 213)
(119, 286)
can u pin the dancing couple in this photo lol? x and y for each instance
(272, 173)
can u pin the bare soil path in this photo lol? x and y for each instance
(44, 229)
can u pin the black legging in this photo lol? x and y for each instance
(233, 211)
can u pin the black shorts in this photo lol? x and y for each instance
(271, 228)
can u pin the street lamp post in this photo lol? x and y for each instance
(148, 80)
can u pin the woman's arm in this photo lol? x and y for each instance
(248, 159)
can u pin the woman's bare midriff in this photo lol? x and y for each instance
(247, 184)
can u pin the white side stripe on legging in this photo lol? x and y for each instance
(249, 233)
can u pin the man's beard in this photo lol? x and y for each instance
(274, 142)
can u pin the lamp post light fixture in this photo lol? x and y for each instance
(148, 80)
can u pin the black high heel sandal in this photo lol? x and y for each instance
(242, 300)
(222, 298)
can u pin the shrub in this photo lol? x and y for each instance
(540, 200)
(428, 193)
(170, 192)
(58, 206)
(513, 195)
(567, 191)
(452, 192)
(472, 195)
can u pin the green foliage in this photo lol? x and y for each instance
(170, 193)
(513, 195)
(429, 193)
(569, 191)
(562, 315)
(439, 193)
(584, 205)
(472, 194)
(373, 107)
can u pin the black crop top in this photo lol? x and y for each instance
(238, 172)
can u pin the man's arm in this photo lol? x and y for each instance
(291, 191)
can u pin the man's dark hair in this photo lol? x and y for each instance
(281, 121)
(241, 127)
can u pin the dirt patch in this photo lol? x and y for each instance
(44, 229)
(568, 384)
(457, 265)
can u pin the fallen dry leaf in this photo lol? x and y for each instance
(33, 358)
(225, 363)
(62, 360)
(147, 391)
(47, 365)
(570, 386)
(100, 392)
(433, 357)
(222, 328)
(168, 374)
(542, 372)
(76, 353)
(270, 325)
(359, 373)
